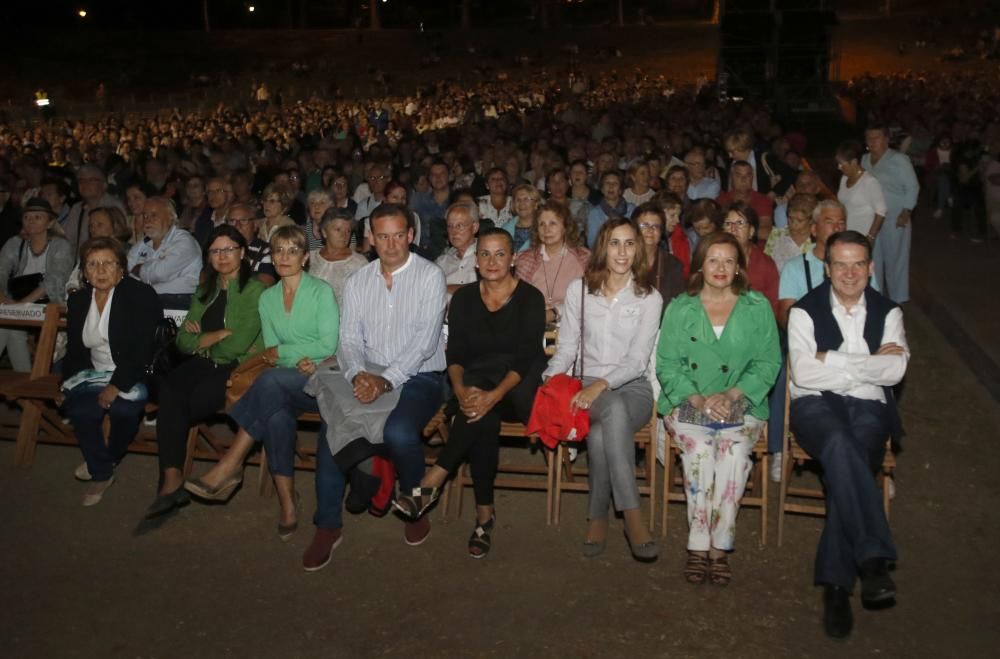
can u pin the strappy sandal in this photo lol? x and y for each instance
(417, 502)
(696, 568)
(480, 540)
(719, 570)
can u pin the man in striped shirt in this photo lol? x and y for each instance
(392, 314)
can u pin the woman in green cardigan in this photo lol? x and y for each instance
(221, 330)
(717, 359)
(300, 323)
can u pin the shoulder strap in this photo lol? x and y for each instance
(578, 364)
(809, 277)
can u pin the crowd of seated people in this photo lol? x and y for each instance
(615, 217)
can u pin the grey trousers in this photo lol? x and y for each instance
(615, 417)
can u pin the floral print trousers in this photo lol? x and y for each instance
(717, 464)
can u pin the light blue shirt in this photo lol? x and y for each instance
(706, 188)
(174, 268)
(900, 187)
(596, 218)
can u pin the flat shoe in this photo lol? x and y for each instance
(165, 503)
(222, 493)
(645, 552)
(82, 473)
(592, 549)
(93, 497)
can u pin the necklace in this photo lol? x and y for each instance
(545, 274)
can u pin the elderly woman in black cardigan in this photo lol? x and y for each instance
(110, 325)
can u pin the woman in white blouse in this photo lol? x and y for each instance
(860, 192)
(620, 315)
(110, 324)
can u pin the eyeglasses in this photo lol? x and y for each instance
(223, 251)
(378, 178)
(734, 224)
(646, 226)
(238, 221)
(290, 251)
(272, 201)
(94, 266)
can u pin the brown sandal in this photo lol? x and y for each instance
(696, 569)
(719, 570)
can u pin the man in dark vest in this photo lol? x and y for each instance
(847, 348)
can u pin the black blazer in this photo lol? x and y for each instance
(135, 310)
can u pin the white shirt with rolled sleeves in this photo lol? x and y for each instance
(174, 268)
(619, 334)
(399, 328)
(851, 370)
(458, 269)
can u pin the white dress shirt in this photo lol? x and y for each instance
(618, 335)
(851, 370)
(95, 334)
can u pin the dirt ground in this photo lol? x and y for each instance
(215, 581)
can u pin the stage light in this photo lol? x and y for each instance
(82, 13)
(251, 9)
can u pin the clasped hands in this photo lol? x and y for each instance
(717, 406)
(586, 396)
(475, 402)
(368, 386)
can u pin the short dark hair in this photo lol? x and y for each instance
(497, 231)
(849, 237)
(704, 208)
(849, 150)
(650, 208)
(391, 210)
(747, 212)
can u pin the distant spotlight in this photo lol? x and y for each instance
(42, 102)
(251, 9)
(82, 13)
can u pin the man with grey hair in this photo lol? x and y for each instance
(459, 261)
(93, 187)
(168, 258)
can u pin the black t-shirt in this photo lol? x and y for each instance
(214, 318)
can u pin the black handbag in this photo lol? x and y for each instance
(166, 355)
(22, 286)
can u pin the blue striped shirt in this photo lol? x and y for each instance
(398, 328)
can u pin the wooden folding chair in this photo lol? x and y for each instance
(570, 478)
(754, 496)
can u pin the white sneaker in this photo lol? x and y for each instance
(573, 453)
(149, 421)
(891, 484)
(82, 473)
(775, 467)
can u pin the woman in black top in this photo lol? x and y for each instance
(495, 363)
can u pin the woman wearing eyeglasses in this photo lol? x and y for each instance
(221, 330)
(300, 324)
(277, 201)
(109, 325)
(742, 222)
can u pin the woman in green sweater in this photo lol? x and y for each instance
(300, 324)
(717, 359)
(221, 330)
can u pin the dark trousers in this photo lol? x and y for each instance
(480, 441)
(193, 391)
(850, 451)
(419, 399)
(87, 415)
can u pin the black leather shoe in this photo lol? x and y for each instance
(363, 488)
(168, 502)
(877, 587)
(838, 621)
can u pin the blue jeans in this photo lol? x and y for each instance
(330, 485)
(86, 415)
(419, 399)
(268, 412)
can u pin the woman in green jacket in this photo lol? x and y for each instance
(300, 323)
(717, 359)
(221, 330)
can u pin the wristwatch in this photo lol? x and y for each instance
(388, 385)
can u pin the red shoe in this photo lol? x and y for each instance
(416, 532)
(320, 550)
